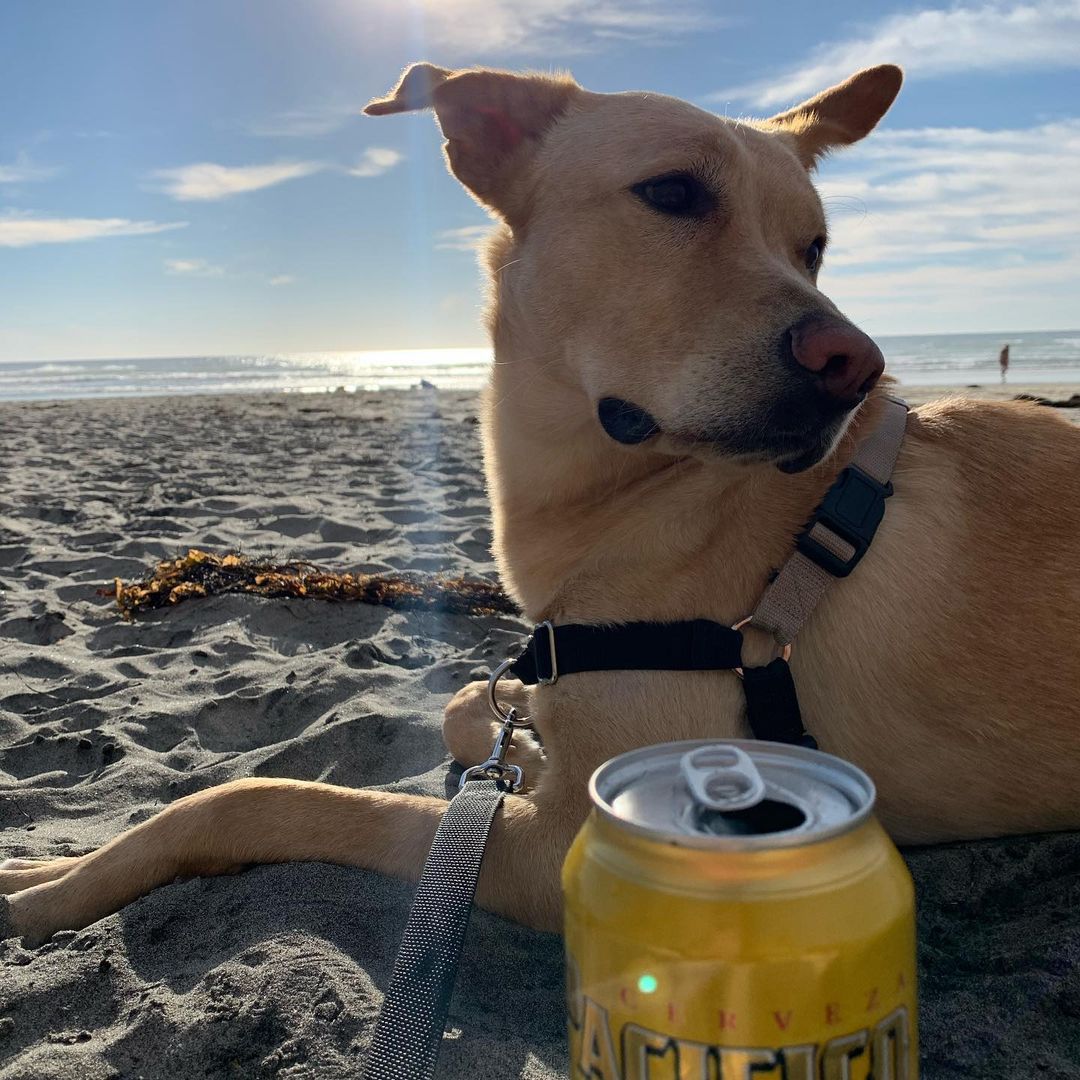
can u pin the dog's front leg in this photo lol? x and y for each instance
(269, 821)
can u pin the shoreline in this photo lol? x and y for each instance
(914, 393)
(1041, 357)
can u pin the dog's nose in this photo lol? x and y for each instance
(846, 360)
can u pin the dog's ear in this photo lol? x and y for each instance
(840, 115)
(415, 90)
(492, 120)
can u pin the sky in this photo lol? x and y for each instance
(194, 177)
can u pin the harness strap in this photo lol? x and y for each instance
(840, 532)
(694, 645)
(831, 545)
(409, 1032)
(772, 706)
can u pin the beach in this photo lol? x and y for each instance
(278, 971)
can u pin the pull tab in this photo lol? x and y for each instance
(722, 777)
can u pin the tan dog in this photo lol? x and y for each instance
(671, 398)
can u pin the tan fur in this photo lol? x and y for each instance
(946, 665)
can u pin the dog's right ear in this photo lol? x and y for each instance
(841, 115)
(492, 120)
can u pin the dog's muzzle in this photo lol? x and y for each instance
(625, 422)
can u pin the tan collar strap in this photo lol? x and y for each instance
(840, 532)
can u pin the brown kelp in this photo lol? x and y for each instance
(201, 573)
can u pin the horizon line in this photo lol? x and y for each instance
(444, 348)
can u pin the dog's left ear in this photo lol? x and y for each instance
(840, 115)
(492, 120)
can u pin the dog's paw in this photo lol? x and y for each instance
(19, 874)
(21, 864)
(36, 913)
(13, 924)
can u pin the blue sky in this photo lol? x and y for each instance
(181, 178)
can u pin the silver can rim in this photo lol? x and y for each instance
(857, 778)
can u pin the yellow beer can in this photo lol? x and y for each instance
(735, 912)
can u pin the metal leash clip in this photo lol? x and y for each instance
(496, 767)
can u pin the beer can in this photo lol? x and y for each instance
(735, 912)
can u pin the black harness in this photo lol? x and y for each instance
(852, 507)
(410, 1029)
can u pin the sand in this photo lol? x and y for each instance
(278, 971)
(1053, 392)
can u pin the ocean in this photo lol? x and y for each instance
(918, 359)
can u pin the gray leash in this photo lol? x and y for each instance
(409, 1032)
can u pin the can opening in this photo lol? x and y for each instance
(767, 816)
(735, 795)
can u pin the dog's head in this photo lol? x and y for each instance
(665, 260)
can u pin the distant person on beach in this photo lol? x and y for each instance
(1003, 360)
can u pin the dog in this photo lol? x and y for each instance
(672, 396)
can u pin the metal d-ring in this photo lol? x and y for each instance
(508, 716)
(785, 650)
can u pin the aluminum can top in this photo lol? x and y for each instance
(732, 795)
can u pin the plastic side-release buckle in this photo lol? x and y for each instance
(852, 508)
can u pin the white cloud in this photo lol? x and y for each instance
(983, 37)
(206, 181)
(480, 27)
(281, 279)
(26, 231)
(468, 238)
(945, 190)
(943, 298)
(923, 219)
(375, 161)
(193, 268)
(23, 170)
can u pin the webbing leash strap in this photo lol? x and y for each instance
(409, 1031)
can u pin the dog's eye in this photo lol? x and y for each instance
(680, 195)
(814, 253)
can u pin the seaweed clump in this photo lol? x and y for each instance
(200, 573)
